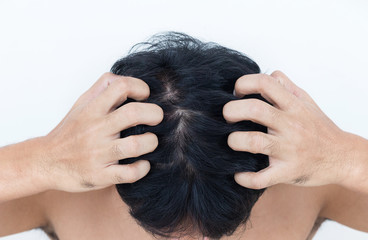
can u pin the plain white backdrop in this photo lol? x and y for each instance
(52, 51)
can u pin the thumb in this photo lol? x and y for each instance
(258, 180)
(128, 173)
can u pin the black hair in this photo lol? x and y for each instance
(190, 187)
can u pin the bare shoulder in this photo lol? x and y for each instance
(308, 205)
(22, 214)
(286, 211)
(99, 214)
(59, 203)
(346, 206)
(292, 196)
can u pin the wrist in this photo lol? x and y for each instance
(356, 162)
(20, 171)
(31, 164)
(40, 171)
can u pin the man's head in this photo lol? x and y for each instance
(190, 188)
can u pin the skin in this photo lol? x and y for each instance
(283, 212)
(81, 153)
(305, 147)
(49, 184)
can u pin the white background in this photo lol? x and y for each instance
(52, 51)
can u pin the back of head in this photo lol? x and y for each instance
(190, 188)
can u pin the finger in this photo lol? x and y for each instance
(261, 179)
(97, 88)
(128, 173)
(290, 86)
(254, 110)
(132, 146)
(266, 85)
(132, 114)
(118, 91)
(254, 142)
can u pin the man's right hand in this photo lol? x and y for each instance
(83, 150)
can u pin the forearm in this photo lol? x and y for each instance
(21, 173)
(357, 164)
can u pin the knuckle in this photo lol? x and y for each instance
(255, 141)
(109, 120)
(118, 151)
(131, 174)
(271, 147)
(273, 113)
(133, 145)
(132, 113)
(299, 128)
(277, 73)
(264, 81)
(262, 143)
(106, 75)
(122, 84)
(279, 77)
(119, 179)
(254, 107)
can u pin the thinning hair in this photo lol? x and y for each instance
(190, 187)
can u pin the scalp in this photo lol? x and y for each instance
(191, 184)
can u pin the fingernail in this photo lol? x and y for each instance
(234, 93)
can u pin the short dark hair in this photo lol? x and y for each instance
(190, 187)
